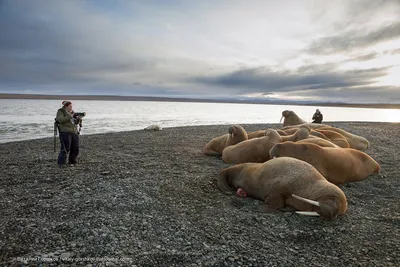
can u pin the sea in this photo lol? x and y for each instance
(26, 119)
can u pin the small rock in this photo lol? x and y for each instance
(65, 255)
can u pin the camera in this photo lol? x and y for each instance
(79, 114)
(78, 117)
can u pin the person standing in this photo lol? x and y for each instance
(317, 117)
(68, 131)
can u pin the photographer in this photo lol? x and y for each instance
(317, 117)
(69, 135)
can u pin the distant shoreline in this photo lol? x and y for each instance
(174, 99)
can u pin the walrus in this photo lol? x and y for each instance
(285, 181)
(337, 165)
(257, 149)
(236, 134)
(311, 125)
(318, 141)
(355, 141)
(252, 150)
(299, 134)
(256, 134)
(291, 118)
(294, 129)
(335, 137)
(261, 133)
(283, 133)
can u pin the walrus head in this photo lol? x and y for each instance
(285, 114)
(302, 133)
(306, 127)
(367, 144)
(232, 130)
(291, 118)
(276, 151)
(327, 208)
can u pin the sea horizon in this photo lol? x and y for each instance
(200, 100)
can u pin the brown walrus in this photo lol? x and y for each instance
(291, 118)
(355, 141)
(337, 165)
(335, 137)
(256, 134)
(318, 141)
(236, 134)
(311, 125)
(257, 149)
(294, 129)
(282, 132)
(252, 150)
(301, 133)
(261, 133)
(285, 181)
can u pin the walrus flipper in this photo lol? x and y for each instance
(223, 183)
(273, 202)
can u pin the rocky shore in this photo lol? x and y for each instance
(149, 199)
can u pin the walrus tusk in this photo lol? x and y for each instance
(315, 203)
(281, 119)
(307, 213)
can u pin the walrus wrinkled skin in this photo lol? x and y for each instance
(276, 180)
(291, 118)
(257, 149)
(236, 134)
(252, 150)
(355, 141)
(335, 137)
(337, 165)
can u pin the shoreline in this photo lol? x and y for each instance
(206, 125)
(150, 197)
(177, 99)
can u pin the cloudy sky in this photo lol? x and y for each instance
(330, 50)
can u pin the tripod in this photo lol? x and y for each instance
(57, 129)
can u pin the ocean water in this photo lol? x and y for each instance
(24, 119)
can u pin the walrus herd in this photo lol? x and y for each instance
(297, 167)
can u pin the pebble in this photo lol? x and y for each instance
(65, 255)
(196, 225)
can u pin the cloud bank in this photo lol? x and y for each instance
(317, 50)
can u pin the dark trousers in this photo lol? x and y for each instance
(69, 143)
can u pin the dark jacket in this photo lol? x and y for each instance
(317, 118)
(66, 121)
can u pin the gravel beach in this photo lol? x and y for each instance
(149, 199)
